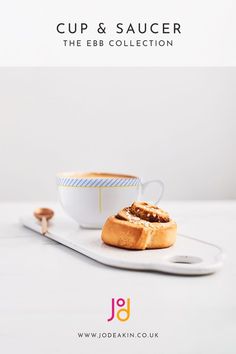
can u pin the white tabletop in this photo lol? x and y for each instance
(49, 293)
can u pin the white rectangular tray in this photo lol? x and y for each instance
(188, 256)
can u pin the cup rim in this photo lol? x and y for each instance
(107, 175)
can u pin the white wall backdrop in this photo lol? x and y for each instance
(176, 124)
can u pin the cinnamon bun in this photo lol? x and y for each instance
(140, 226)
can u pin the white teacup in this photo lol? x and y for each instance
(89, 198)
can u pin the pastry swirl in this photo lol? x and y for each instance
(143, 211)
(140, 226)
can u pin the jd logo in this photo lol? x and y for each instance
(123, 313)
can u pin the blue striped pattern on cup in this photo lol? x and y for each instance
(97, 182)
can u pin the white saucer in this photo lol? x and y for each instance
(188, 256)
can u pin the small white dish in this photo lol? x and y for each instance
(189, 256)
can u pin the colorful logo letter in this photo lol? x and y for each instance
(123, 314)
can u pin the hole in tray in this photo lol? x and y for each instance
(185, 259)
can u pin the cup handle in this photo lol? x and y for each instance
(156, 181)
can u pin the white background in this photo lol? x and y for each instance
(29, 38)
(49, 293)
(176, 124)
(170, 123)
